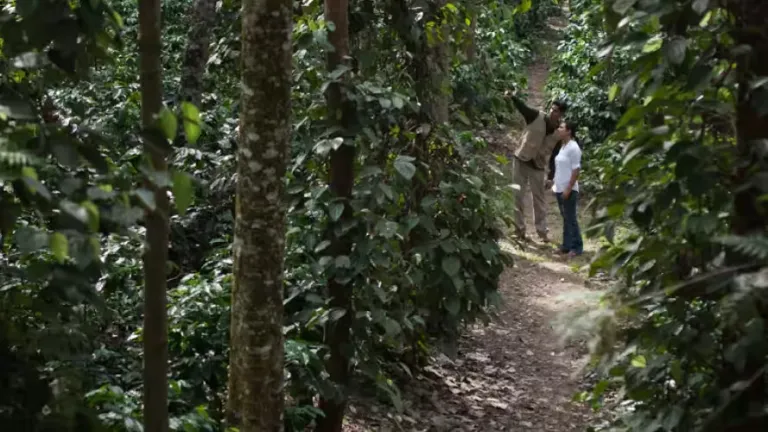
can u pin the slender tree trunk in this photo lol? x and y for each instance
(202, 17)
(156, 253)
(471, 47)
(256, 351)
(342, 177)
(435, 85)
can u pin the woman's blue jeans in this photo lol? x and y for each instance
(572, 241)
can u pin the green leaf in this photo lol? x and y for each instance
(639, 361)
(523, 7)
(653, 44)
(16, 110)
(676, 50)
(324, 147)
(757, 83)
(30, 239)
(192, 122)
(700, 6)
(183, 192)
(405, 167)
(93, 215)
(386, 229)
(78, 212)
(335, 210)
(29, 172)
(337, 313)
(167, 123)
(613, 92)
(622, 6)
(146, 197)
(392, 327)
(451, 265)
(29, 60)
(343, 261)
(387, 190)
(322, 246)
(59, 246)
(338, 72)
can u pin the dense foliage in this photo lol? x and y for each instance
(681, 340)
(425, 261)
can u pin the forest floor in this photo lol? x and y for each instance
(514, 374)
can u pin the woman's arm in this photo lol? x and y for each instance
(574, 178)
(575, 156)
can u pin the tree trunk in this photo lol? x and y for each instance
(342, 176)
(431, 64)
(256, 351)
(202, 17)
(156, 255)
(434, 88)
(471, 47)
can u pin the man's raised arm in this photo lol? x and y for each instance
(529, 114)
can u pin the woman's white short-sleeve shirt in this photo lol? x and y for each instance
(567, 160)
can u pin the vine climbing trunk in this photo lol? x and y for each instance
(434, 86)
(430, 67)
(255, 401)
(156, 254)
(750, 213)
(342, 176)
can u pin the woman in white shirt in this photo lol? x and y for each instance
(565, 185)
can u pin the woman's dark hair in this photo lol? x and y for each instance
(572, 127)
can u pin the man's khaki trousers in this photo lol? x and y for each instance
(529, 178)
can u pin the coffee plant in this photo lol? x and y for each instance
(677, 126)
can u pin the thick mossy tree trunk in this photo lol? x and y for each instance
(750, 213)
(202, 18)
(256, 346)
(342, 176)
(156, 254)
(427, 40)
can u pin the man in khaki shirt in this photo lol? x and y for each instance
(531, 162)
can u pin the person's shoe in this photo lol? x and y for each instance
(573, 254)
(543, 236)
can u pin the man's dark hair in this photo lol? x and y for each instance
(561, 105)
